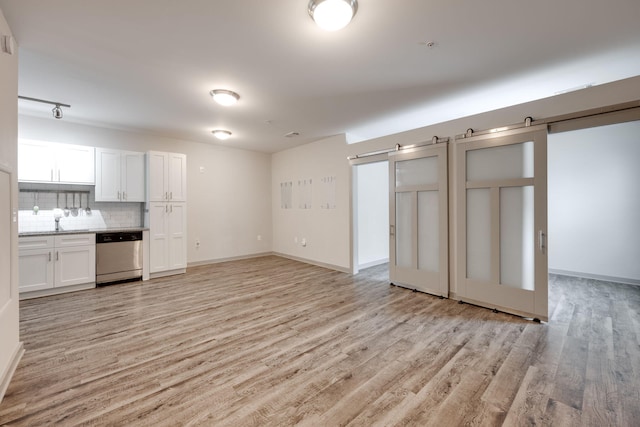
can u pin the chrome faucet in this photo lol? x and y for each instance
(57, 214)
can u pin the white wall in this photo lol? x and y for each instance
(594, 202)
(10, 347)
(229, 202)
(327, 231)
(372, 200)
(309, 160)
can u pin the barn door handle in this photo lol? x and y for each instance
(542, 241)
(392, 230)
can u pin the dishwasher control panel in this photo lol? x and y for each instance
(127, 236)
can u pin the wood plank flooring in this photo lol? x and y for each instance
(274, 342)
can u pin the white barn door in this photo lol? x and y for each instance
(501, 200)
(418, 217)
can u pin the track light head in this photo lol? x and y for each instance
(57, 112)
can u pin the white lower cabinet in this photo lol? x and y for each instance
(35, 269)
(47, 262)
(168, 236)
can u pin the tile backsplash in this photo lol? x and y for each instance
(49, 196)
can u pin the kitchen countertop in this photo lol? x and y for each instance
(90, 230)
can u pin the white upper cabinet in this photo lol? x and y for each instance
(41, 161)
(167, 177)
(133, 176)
(119, 176)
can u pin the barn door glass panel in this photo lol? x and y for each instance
(428, 241)
(404, 230)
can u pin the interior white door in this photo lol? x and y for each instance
(502, 221)
(418, 216)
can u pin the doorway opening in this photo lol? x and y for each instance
(371, 215)
(594, 203)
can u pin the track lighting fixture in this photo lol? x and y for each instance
(57, 110)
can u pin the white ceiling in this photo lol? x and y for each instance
(148, 65)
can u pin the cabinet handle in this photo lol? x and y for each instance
(57, 256)
(118, 195)
(166, 208)
(171, 195)
(166, 195)
(49, 256)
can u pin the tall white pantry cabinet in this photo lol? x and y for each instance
(166, 213)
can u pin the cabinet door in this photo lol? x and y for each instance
(35, 269)
(158, 237)
(76, 164)
(177, 235)
(107, 175)
(177, 177)
(75, 265)
(158, 167)
(35, 161)
(132, 179)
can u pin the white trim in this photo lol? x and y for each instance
(318, 264)
(167, 273)
(373, 263)
(624, 280)
(11, 369)
(233, 258)
(57, 291)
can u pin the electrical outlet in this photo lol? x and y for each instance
(304, 242)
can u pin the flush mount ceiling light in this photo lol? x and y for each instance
(224, 97)
(221, 134)
(332, 15)
(57, 110)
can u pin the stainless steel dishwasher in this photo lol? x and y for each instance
(118, 257)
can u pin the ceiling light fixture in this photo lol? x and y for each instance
(57, 111)
(224, 97)
(332, 15)
(221, 134)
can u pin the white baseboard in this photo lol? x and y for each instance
(316, 263)
(373, 263)
(11, 369)
(263, 254)
(624, 280)
(167, 273)
(235, 258)
(56, 291)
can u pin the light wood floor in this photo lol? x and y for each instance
(275, 342)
